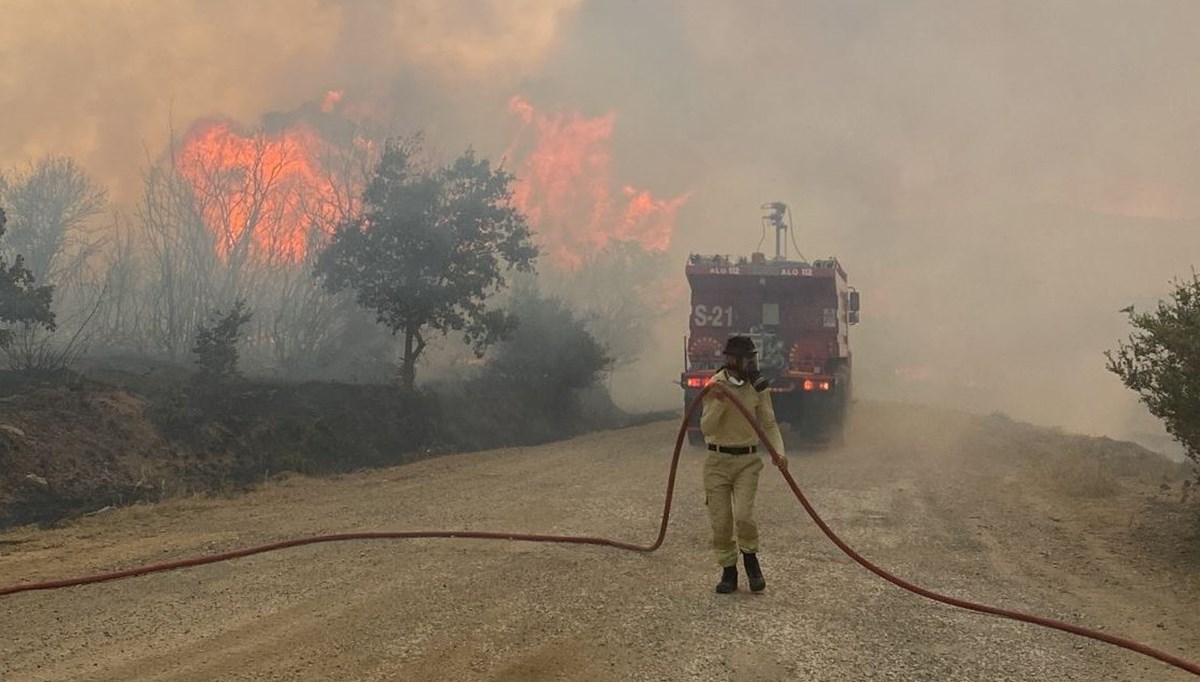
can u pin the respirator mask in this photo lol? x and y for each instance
(746, 368)
(741, 358)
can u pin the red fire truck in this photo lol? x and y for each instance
(799, 314)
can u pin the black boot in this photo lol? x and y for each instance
(728, 580)
(754, 572)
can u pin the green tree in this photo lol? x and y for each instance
(429, 248)
(217, 340)
(1161, 362)
(21, 301)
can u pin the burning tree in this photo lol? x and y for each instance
(240, 213)
(429, 248)
(1161, 362)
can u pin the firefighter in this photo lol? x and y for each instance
(733, 462)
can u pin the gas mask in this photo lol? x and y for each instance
(745, 367)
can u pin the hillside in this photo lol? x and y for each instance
(75, 447)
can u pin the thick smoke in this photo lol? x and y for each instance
(103, 80)
(999, 178)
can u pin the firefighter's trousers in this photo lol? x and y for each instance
(730, 484)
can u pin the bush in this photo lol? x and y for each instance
(21, 300)
(549, 356)
(540, 384)
(217, 344)
(1161, 362)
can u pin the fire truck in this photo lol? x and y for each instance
(799, 314)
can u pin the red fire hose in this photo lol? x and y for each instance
(1163, 656)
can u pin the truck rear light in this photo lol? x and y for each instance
(697, 382)
(809, 384)
(824, 385)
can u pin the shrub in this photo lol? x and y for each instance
(217, 344)
(1161, 362)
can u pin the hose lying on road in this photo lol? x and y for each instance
(1163, 656)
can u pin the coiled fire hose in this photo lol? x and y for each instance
(1122, 642)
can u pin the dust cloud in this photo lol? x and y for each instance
(998, 178)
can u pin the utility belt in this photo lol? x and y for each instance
(738, 450)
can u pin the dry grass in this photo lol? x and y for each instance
(1095, 467)
(1077, 474)
(1087, 466)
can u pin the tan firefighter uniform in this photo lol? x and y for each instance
(731, 480)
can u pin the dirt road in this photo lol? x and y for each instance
(960, 504)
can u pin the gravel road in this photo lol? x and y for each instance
(918, 491)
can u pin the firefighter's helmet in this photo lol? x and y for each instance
(740, 346)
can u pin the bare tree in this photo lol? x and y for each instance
(120, 320)
(305, 322)
(48, 205)
(37, 348)
(182, 261)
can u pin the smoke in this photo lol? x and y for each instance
(103, 80)
(999, 178)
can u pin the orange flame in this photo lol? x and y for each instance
(259, 193)
(564, 188)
